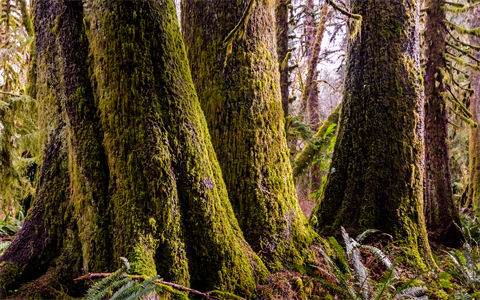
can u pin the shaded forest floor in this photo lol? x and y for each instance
(369, 266)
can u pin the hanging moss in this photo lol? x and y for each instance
(376, 174)
(242, 104)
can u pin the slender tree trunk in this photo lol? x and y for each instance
(473, 188)
(128, 168)
(310, 35)
(281, 21)
(376, 173)
(240, 96)
(441, 213)
(310, 92)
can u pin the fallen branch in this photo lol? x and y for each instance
(174, 285)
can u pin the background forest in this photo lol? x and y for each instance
(242, 149)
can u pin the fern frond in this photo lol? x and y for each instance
(341, 255)
(365, 234)
(412, 293)
(101, 288)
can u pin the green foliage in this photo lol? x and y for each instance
(15, 37)
(296, 129)
(10, 225)
(323, 155)
(464, 267)
(105, 286)
(19, 148)
(349, 278)
(121, 286)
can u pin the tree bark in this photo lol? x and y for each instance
(128, 168)
(376, 174)
(240, 96)
(281, 25)
(441, 213)
(310, 92)
(473, 187)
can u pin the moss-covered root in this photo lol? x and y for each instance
(169, 201)
(376, 174)
(242, 104)
(305, 158)
(127, 168)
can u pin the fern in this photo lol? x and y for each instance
(126, 287)
(4, 246)
(355, 281)
(104, 286)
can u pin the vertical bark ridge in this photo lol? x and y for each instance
(473, 188)
(128, 166)
(242, 104)
(281, 26)
(376, 173)
(441, 213)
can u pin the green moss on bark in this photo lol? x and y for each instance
(473, 187)
(441, 213)
(242, 104)
(376, 173)
(128, 167)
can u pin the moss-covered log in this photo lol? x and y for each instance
(128, 167)
(441, 213)
(240, 96)
(376, 174)
(473, 187)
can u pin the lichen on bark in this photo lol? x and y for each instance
(376, 174)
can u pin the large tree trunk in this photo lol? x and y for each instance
(441, 213)
(240, 96)
(376, 173)
(128, 168)
(473, 187)
(281, 26)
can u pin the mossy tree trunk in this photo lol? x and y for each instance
(473, 187)
(308, 43)
(310, 91)
(281, 26)
(240, 96)
(376, 174)
(128, 167)
(441, 213)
